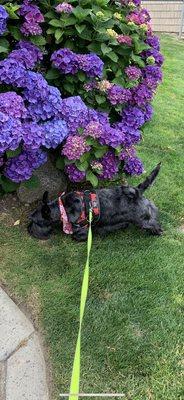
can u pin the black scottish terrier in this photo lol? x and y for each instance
(119, 207)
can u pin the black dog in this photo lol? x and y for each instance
(119, 207)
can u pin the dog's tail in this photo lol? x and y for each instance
(150, 179)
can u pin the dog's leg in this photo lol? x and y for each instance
(80, 233)
(111, 228)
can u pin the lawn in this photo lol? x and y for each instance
(133, 327)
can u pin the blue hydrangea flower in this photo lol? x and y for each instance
(55, 132)
(3, 19)
(20, 168)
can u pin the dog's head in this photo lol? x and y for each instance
(40, 220)
(143, 212)
(47, 215)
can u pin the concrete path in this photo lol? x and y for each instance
(22, 365)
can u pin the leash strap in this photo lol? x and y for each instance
(75, 380)
(67, 226)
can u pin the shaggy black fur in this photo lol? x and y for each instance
(119, 207)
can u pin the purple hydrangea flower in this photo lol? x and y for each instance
(55, 132)
(124, 39)
(65, 60)
(112, 137)
(152, 71)
(141, 95)
(64, 7)
(32, 135)
(133, 73)
(110, 165)
(148, 112)
(74, 174)
(36, 87)
(91, 64)
(36, 53)
(3, 19)
(129, 136)
(21, 168)
(139, 17)
(159, 59)
(93, 129)
(33, 17)
(27, 54)
(48, 108)
(133, 116)
(133, 166)
(12, 104)
(75, 113)
(75, 147)
(153, 41)
(10, 133)
(90, 86)
(127, 153)
(12, 73)
(118, 95)
(33, 29)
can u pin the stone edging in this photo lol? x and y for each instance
(22, 365)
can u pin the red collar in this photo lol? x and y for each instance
(89, 200)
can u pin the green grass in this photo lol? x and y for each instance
(133, 327)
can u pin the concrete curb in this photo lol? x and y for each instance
(22, 365)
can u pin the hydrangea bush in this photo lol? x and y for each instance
(76, 80)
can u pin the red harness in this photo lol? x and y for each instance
(89, 200)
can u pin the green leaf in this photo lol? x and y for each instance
(15, 32)
(140, 46)
(85, 157)
(11, 9)
(95, 47)
(69, 88)
(113, 56)
(101, 151)
(56, 22)
(38, 40)
(52, 74)
(7, 185)
(68, 162)
(90, 141)
(92, 178)
(119, 81)
(4, 45)
(13, 153)
(80, 28)
(58, 34)
(81, 75)
(69, 21)
(82, 166)
(105, 49)
(81, 13)
(60, 163)
(3, 49)
(50, 14)
(138, 60)
(32, 183)
(100, 99)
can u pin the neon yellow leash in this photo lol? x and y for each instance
(75, 380)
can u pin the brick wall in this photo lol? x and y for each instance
(166, 15)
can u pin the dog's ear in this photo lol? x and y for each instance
(45, 210)
(149, 180)
(45, 198)
(131, 192)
